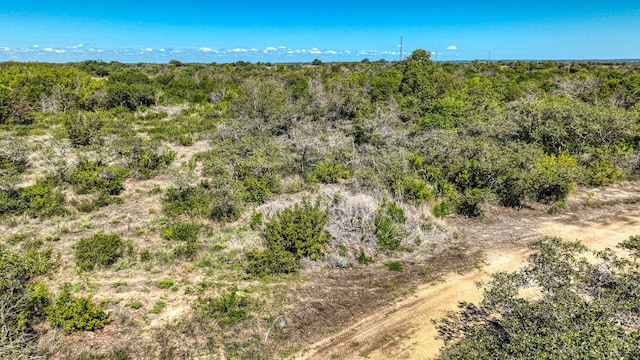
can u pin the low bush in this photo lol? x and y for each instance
(73, 314)
(298, 230)
(387, 230)
(229, 308)
(93, 176)
(329, 172)
(98, 250)
(39, 200)
(181, 231)
(269, 262)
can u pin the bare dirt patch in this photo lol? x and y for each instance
(404, 330)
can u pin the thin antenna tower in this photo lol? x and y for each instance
(400, 47)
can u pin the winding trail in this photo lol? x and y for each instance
(405, 330)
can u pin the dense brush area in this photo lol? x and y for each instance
(178, 210)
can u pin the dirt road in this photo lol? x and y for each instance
(599, 218)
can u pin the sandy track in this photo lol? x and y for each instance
(405, 330)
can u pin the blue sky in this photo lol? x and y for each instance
(279, 31)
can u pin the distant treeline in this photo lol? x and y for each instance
(450, 135)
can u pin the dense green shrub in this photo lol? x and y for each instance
(83, 128)
(329, 172)
(413, 189)
(93, 176)
(394, 266)
(39, 200)
(298, 230)
(98, 250)
(267, 262)
(258, 190)
(181, 231)
(201, 201)
(72, 314)
(470, 204)
(581, 309)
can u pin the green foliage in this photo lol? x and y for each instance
(263, 262)
(362, 258)
(229, 308)
(329, 172)
(76, 314)
(157, 307)
(632, 244)
(22, 300)
(470, 204)
(388, 231)
(442, 209)
(98, 250)
(164, 283)
(414, 190)
(181, 231)
(393, 266)
(256, 221)
(201, 201)
(134, 305)
(39, 200)
(83, 128)
(298, 230)
(92, 176)
(577, 311)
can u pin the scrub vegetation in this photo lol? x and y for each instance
(226, 194)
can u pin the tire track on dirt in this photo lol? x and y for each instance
(405, 330)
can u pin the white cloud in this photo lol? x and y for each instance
(48, 49)
(452, 47)
(162, 50)
(35, 46)
(270, 48)
(60, 51)
(147, 49)
(206, 49)
(332, 52)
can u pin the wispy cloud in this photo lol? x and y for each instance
(452, 47)
(80, 52)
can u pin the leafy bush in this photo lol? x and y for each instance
(329, 172)
(441, 209)
(164, 283)
(39, 200)
(414, 190)
(73, 314)
(229, 308)
(98, 250)
(576, 312)
(268, 262)
(257, 190)
(298, 230)
(91, 176)
(471, 203)
(393, 266)
(181, 231)
(389, 234)
(201, 201)
(83, 128)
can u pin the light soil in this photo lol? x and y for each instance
(405, 330)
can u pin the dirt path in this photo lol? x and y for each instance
(405, 330)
